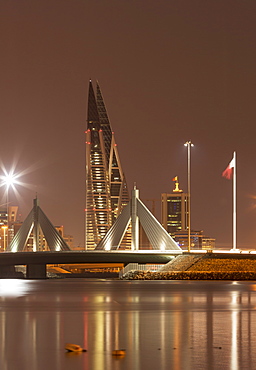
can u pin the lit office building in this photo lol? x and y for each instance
(106, 188)
(8, 218)
(198, 240)
(175, 220)
(174, 210)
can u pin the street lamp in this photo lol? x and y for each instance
(189, 144)
(9, 180)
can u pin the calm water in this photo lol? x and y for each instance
(162, 325)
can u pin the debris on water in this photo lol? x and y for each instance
(70, 347)
(119, 352)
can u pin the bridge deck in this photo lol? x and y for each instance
(25, 258)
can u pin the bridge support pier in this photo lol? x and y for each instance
(7, 271)
(36, 271)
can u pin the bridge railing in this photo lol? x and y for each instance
(138, 267)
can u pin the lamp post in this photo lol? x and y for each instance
(189, 144)
(9, 180)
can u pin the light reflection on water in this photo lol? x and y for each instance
(165, 325)
(14, 287)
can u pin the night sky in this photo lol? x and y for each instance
(170, 71)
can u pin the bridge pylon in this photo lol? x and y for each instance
(36, 226)
(135, 213)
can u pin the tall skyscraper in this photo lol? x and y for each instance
(175, 220)
(174, 210)
(106, 188)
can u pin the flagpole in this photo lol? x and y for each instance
(189, 144)
(234, 203)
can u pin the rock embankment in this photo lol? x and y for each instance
(181, 263)
(225, 264)
(196, 267)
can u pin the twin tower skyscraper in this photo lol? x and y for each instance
(106, 188)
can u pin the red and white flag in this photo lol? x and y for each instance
(228, 171)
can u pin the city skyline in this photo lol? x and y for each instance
(170, 71)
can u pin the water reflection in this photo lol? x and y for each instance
(161, 325)
(14, 287)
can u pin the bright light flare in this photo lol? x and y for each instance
(12, 179)
(9, 180)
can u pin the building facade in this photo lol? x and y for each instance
(174, 210)
(175, 220)
(8, 218)
(197, 239)
(106, 188)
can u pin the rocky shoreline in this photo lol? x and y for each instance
(190, 275)
(201, 267)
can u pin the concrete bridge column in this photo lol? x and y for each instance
(36, 271)
(135, 220)
(7, 271)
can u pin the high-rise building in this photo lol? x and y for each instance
(174, 210)
(8, 218)
(106, 188)
(175, 220)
